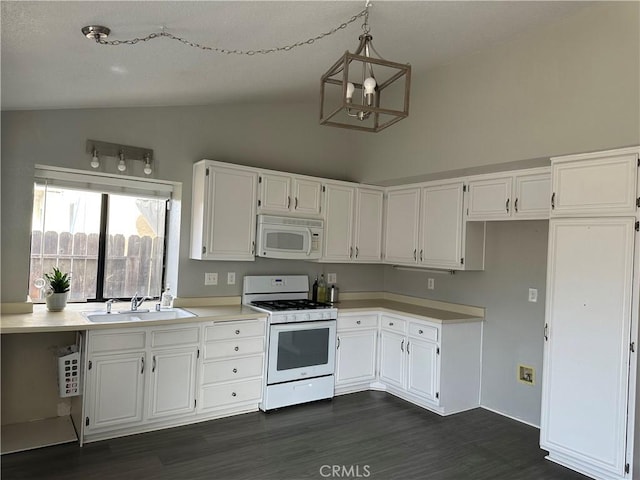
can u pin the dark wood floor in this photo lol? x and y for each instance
(372, 434)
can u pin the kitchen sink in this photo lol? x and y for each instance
(137, 316)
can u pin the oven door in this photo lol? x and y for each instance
(301, 350)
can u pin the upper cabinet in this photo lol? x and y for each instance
(522, 195)
(425, 227)
(284, 193)
(353, 223)
(603, 183)
(223, 212)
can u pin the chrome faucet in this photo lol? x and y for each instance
(109, 304)
(136, 302)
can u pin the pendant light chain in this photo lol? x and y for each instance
(285, 48)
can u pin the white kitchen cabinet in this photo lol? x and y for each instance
(223, 223)
(285, 193)
(519, 195)
(425, 227)
(402, 217)
(353, 223)
(436, 366)
(115, 391)
(356, 352)
(585, 393)
(231, 378)
(172, 389)
(602, 183)
(139, 377)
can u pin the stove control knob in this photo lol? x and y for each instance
(316, 316)
(306, 316)
(326, 315)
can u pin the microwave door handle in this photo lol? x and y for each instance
(310, 241)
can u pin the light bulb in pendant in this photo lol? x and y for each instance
(121, 165)
(369, 85)
(350, 89)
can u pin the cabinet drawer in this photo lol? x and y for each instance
(423, 331)
(393, 323)
(226, 394)
(357, 321)
(116, 341)
(232, 369)
(175, 336)
(224, 331)
(233, 348)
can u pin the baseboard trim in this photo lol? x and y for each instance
(511, 417)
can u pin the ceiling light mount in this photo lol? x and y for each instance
(96, 32)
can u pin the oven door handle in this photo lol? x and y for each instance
(310, 241)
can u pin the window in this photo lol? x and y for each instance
(110, 238)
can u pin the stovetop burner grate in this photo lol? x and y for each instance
(280, 305)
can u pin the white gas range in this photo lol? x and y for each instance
(301, 339)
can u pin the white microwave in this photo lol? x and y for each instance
(289, 237)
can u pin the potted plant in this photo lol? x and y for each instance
(58, 290)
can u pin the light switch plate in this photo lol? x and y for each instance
(210, 278)
(533, 295)
(332, 277)
(431, 284)
(231, 278)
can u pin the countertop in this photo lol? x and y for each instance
(71, 318)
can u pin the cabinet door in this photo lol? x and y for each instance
(441, 234)
(306, 196)
(172, 382)
(115, 390)
(586, 354)
(392, 358)
(422, 369)
(489, 199)
(401, 228)
(275, 192)
(232, 203)
(338, 216)
(368, 225)
(532, 196)
(356, 356)
(596, 186)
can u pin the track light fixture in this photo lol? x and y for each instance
(123, 153)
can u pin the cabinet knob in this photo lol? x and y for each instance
(233, 394)
(420, 332)
(237, 348)
(391, 324)
(235, 370)
(358, 322)
(237, 332)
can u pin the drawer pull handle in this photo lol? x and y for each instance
(420, 332)
(235, 370)
(237, 332)
(237, 348)
(391, 324)
(358, 322)
(402, 346)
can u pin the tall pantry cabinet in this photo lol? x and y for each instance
(589, 403)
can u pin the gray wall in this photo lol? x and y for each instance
(516, 256)
(569, 87)
(281, 137)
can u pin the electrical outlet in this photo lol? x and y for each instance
(332, 278)
(533, 295)
(231, 278)
(526, 374)
(431, 283)
(210, 278)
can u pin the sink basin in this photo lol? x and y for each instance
(141, 316)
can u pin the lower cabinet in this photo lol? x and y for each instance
(433, 364)
(144, 379)
(356, 351)
(232, 367)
